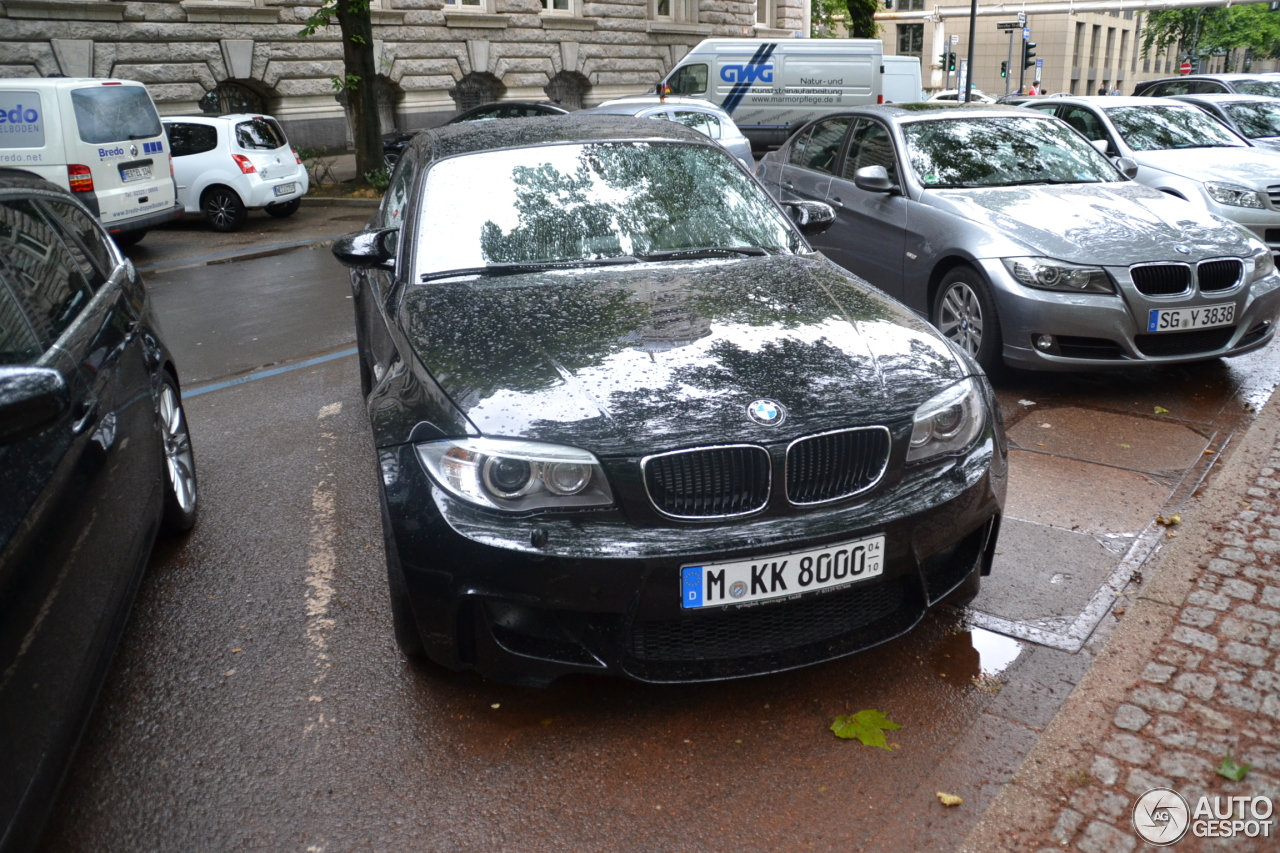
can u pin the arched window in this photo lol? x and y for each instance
(231, 98)
(476, 89)
(567, 89)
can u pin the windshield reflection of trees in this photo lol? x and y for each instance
(1162, 128)
(990, 152)
(1256, 119)
(625, 198)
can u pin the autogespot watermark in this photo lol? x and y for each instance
(1162, 817)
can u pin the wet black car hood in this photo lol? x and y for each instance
(639, 359)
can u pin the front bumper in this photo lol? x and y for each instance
(601, 594)
(1098, 330)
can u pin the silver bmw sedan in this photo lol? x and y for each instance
(1022, 243)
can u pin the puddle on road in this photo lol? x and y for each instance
(974, 653)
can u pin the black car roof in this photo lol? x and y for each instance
(470, 137)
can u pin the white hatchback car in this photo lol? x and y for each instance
(226, 166)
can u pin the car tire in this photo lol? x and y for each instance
(129, 238)
(965, 313)
(181, 493)
(284, 209)
(224, 209)
(404, 624)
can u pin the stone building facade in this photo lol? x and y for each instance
(434, 57)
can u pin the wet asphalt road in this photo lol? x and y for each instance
(258, 702)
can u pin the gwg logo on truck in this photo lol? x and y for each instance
(747, 73)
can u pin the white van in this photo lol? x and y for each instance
(769, 87)
(100, 139)
(901, 84)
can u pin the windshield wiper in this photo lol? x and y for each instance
(519, 269)
(1049, 181)
(711, 252)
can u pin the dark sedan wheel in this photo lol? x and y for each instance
(284, 209)
(223, 208)
(180, 493)
(965, 313)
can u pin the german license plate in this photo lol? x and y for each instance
(1199, 317)
(780, 576)
(136, 173)
(285, 189)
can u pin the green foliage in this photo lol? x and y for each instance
(822, 15)
(346, 81)
(1228, 769)
(1212, 31)
(379, 179)
(324, 14)
(867, 726)
(862, 19)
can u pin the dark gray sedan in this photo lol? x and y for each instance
(1022, 243)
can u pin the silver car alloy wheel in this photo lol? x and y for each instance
(960, 317)
(177, 449)
(221, 209)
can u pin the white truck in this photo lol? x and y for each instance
(771, 87)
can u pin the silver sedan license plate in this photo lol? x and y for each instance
(1199, 317)
(285, 189)
(137, 173)
(781, 576)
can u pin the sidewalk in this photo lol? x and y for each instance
(1190, 673)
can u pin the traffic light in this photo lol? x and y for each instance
(951, 61)
(1028, 54)
(1004, 68)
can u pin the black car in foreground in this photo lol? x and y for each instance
(627, 421)
(96, 460)
(393, 144)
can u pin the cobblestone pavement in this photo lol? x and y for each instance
(1212, 688)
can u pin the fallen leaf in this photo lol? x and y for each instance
(1125, 446)
(1161, 410)
(1026, 402)
(949, 799)
(1046, 426)
(496, 705)
(1208, 453)
(1228, 769)
(1172, 520)
(867, 726)
(233, 651)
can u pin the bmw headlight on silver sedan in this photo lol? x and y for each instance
(1233, 195)
(1049, 274)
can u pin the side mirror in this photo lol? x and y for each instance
(367, 250)
(1127, 167)
(31, 398)
(873, 179)
(811, 217)
(1102, 145)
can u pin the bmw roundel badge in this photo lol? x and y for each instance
(767, 412)
(1183, 249)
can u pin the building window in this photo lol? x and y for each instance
(764, 12)
(1075, 55)
(554, 7)
(911, 6)
(1124, 45)
(911, 40)
(1111, 44)
(466, 5)
(1093, 49)
(676, 11)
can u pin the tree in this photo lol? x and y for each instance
(1206, 32)
(862, 18)
(359, 79)
(823, 15)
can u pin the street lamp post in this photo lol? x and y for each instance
(973, 34)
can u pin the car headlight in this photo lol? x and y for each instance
(516, 476)
(948, 422)
(1049, 274)
(1233, 195)
(1262, 263)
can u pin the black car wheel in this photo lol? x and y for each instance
(965, 313)
(284, 209)
(180, 493)
(129, 238)
(223, 208)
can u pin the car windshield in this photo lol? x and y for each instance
(591, 202)
(1256, 118)
(1270, 88)
(1001, 151)
(1159, 128)
(112, 113)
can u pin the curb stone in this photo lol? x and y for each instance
(1188, 672)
